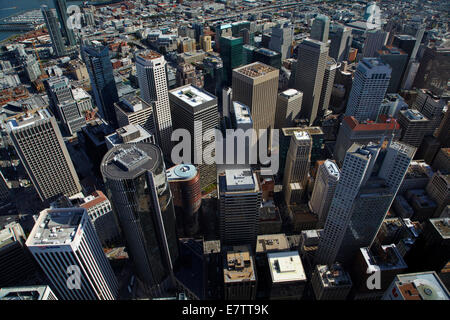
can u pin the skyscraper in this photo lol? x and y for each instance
(281, 39)
(324, 186)
(353, 131)
(309, 74)
(103, 84)
(239, 194)
(152, 77)
(136, 183)
(341, 40)
(367, 186)
(369, 88)
(195, 110)
(184, 181)
(414, 127)
(327, 86)
(64, 243)
(43, 153)
(54, 31)
(397, 59)
(320, 28)
(296, 172)
(133, 110)
(232, 57)
(289, 105)
(375, 40)
(61, 11)
(431, 106)
(256, 86)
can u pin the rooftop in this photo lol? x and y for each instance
(271, 242)
(239, 180)
(191, 95)
(289, 93)
(355, 125)
(255, 70)
(301, 135)
(28, 118)
(242, 113)
(79, 94)
(334, 276)
(181, 172)
(286, 267)
(23, 293)
(332, 168)
(56, 227)
(413, 115)
(427, 284)
(149, 55)
(239, 265)
(442, 225)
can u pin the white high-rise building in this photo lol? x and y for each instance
(65, 245)
(323, 192)
(152, 78)
(43, 153)
(363, 195)
(368, 90)
(289, 105)
(298, 161)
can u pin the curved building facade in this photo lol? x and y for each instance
(184, 181)
(136, 182)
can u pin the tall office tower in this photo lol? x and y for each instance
(414, 126)
(289, 106)
(417, 286)
(369, 181)
(232, 57)
(27, 293)
(61, 11)
(331, 282)
(16, 263)
(239, 274)
(256, 86)
(405, 42)
(309, 74)
(281, 39)
(100, 212)
(131, 109)
(54, 31)
(397, 59)
(184, 181)
(369, 87)
(213, 76)
(240, 118)
(296, 172)
(41, 149)
(353, 131)
(320, 28)
(327, 86)
(186, 44)
(431, 106)
(439, 190)
(205, 42)
(64, 244)
(341, 40)
(103, 84)
(375, 40)
(64, 105)
(136, 183)
(443, 130)
(324, 186)
(222, 30)
(152, 77)
(434, 69)
(195, 110)
(239, 194)
(391, 105)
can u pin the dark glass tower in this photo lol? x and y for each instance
(54, 31)
(61, 11)
(136, 182)
(98, 63)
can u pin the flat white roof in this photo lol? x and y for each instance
(192, 96)
(290, 92)
(286, 267)
(242, 113)
(80, 93)
(301, 135)
(239, 179)
(332, 168)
